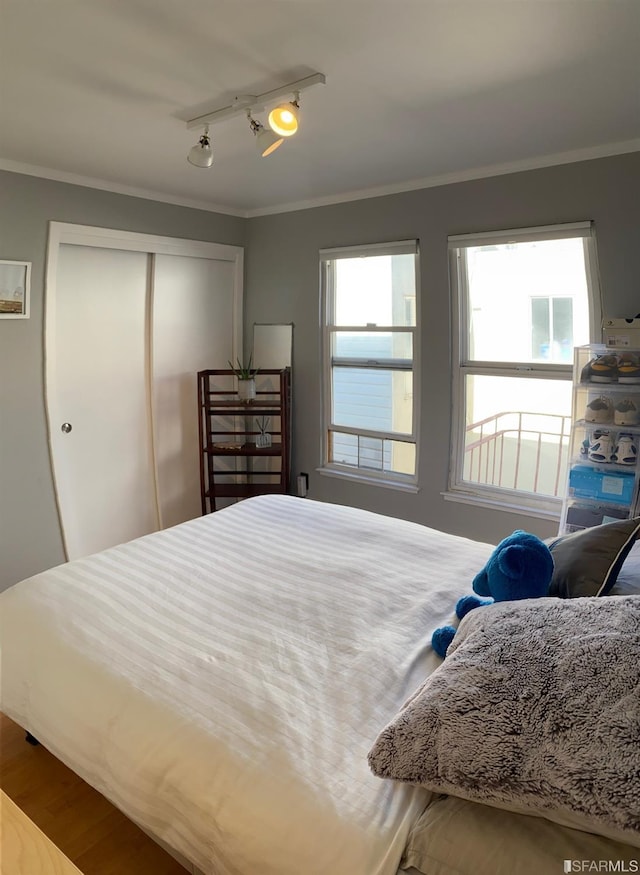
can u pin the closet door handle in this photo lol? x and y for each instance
(66, 427)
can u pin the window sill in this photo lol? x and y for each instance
(545, 513)
(400, 485)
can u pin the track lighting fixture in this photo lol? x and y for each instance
(283, 119)
(266, 140)
(202, 154)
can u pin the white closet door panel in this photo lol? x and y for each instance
(97, 382)
(192, 330)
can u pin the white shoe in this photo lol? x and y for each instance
(626, 413)
(599, 410)
(626, 452)
(601, 447)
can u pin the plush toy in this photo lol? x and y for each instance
(520, 567)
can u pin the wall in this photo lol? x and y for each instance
(282, 285)
(30, 537)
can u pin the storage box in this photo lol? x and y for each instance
(615, 487)
(579, 517)
(622, 333)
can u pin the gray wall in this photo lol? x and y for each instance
(30, 537)
(282, 285)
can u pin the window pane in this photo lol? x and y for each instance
(502, 280)
(517, 433)
(563, 328)
(374, 399)
(375, 290)
(540, 336)
(402, 457)
(343, 448)
(372, 454)
(373, 344)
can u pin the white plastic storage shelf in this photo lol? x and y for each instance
(603, 455)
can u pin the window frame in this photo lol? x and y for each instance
(328, 328)
(485, 495)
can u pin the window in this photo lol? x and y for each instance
(524, 300)
(369, 362)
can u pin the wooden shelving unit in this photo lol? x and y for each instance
(232, 467)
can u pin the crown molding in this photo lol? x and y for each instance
(116, 188)
(558, 158)
(605, 151)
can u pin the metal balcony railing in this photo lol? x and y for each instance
(516, 450)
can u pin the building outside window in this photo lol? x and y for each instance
(370, 351)
(523, 300)
(552, 329)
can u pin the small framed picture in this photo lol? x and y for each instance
(15, 282)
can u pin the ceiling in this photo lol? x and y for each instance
(417, 92)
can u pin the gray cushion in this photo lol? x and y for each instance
(587, 563)
(456, 836)
(628, 582)
(536, 709)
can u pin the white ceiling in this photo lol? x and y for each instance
(417, 91)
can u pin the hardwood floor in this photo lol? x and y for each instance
(83, 824)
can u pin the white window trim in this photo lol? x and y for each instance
(510, 502)
(388, 479)
(547, 507)
(372, 478)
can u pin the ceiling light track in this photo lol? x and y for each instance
(255, 102)
(283, 119)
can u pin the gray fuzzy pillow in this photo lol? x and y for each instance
(536, 709)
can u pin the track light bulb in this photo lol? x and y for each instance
(201, 155)
(266, 140)
(284, 118)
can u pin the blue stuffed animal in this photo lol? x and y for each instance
(520, 567)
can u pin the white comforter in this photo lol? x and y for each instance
(222, 681)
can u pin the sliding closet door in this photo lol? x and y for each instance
(99, 412)
(192, 330)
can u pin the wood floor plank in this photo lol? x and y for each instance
(25, 848)
(86, 827)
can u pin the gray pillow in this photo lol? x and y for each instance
(628, 582)
(453, 835)
(587, 562)
(535, 710)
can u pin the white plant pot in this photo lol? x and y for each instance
(246, 390)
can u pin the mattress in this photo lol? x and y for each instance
(221, 682)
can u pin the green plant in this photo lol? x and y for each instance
(244, 372)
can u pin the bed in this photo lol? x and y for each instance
(223, 683)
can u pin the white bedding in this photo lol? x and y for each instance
(222, 681)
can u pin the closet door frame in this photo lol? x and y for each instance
(107, 238)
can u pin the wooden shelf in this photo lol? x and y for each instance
(235, 409)
(244, 450)
(244, 490)
(227, 431)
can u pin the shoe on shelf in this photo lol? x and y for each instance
(628, 368)
(601, 447)
(585, 376)
(626, 451)
(599, 410)
(626, 413)
(604, 369)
